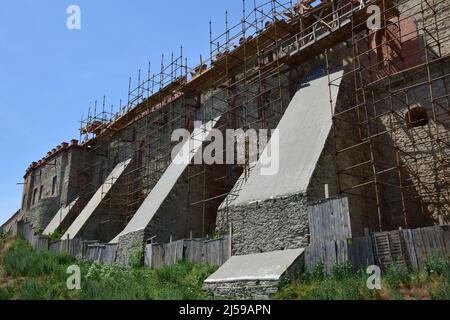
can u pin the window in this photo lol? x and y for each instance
(54, 184)
(416, 117)
(41, 191)
(34, 195)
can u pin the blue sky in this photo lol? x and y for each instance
(49, 74)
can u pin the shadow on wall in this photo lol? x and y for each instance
(395, 47)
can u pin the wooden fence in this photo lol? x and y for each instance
(415, 246)
(329, 220)
(358, 251)
(103, 253)
(213, 252)
(425, 243)
(88, 250)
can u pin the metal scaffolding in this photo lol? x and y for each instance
(399, 113)
(249, 78)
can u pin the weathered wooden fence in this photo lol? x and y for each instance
(425, 243)
(415, 246)
(88, 250)
(103, 253)
(329, 220)
(357, 251)
(213, 252)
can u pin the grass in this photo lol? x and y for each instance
(29, 274)
(42, 275)
(3, 235)
(397, 283)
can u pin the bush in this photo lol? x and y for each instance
(55, 236)
(439, 265)
(3, 235)
(342, 271)
(316, 285)
(46, 276)
(397, 274)
(21, 260)
(318, 273)
(180, 281)
(98, 271)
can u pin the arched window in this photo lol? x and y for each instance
(416, 117)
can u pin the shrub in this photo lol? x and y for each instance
(180, 281)
(3, 235)
(439, 265)
(397, 274)
(217, 234)
(318, 273)
(343, 270)
(21, 260)
(55, 236)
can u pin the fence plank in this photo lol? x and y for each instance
(410, 249)
(214, 252)
(329, 220)
(148, 256)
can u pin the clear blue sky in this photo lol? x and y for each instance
(49, 74)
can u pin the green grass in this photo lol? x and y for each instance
(42, 275)
(397, 283)
(22, 260)
(55, 235)
(180, 281)
(3, 235)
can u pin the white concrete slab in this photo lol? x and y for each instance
(258, 266)
(96, 199)
(156, 197)
(59, 217)
(303, 131)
